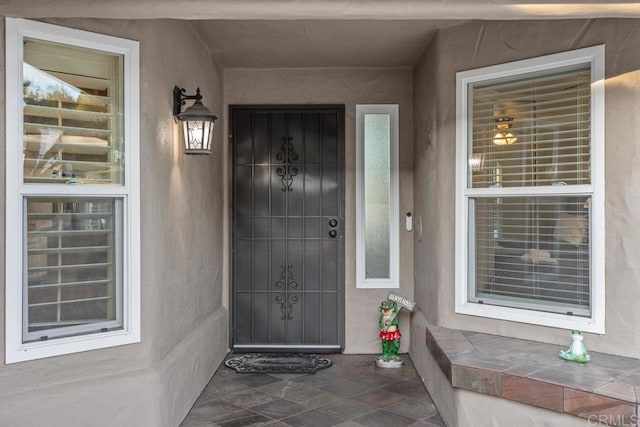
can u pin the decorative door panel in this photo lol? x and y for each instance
(288, 222)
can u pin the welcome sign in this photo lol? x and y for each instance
(402, 301)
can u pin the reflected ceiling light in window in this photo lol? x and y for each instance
(476, 162)
(503, 136)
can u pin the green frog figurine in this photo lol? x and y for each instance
(576, 352)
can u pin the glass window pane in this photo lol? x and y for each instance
(534, 250)
(377, 195)
(72, 115)
(72, 279)
(532, 129)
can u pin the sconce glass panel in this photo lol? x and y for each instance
(197, 136)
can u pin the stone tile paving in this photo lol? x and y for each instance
(353, 392)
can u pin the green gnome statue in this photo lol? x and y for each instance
(390, 331)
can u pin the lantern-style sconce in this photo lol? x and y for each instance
(197, 122)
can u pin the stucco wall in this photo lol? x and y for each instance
(479, 44)
(348, 87)
(184, 321)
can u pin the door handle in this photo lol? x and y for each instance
(333, 233)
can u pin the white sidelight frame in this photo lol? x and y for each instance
(127, 194)
(393, 281)
(464, 241)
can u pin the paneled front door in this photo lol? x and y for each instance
(288, 222)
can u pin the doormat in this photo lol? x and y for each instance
(278, 363)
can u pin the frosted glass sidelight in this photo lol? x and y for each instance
(377, 195)
(377, 200)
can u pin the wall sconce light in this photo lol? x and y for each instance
(503, 136)
(197, 122)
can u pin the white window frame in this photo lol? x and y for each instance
(393, 282)
(16, 191)
(463, 242)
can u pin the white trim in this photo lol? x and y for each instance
(567, 190)
(13, 201)
(594, 55)
(598, 291)
(596, 322)
(16, 190)
(533, 317)
(393, 282)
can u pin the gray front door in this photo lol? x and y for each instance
(287, 232)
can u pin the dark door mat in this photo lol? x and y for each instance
(278, 363)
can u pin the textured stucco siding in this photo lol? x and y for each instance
(349, 87)
(184, 319)
(477, 44)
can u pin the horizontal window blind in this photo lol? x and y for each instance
(534, 250)
(531, 129)
(531, 250)
(72, 118)
(72, 274)
(72, 115)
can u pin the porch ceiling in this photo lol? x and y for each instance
(286, 44)
(317, 33)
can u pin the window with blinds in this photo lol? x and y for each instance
(71, 135)
(532, 129)
(72, 216)
(532, 252)
(73, 265)
(72, 113)
(527, 183)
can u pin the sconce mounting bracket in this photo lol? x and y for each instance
(179, 98)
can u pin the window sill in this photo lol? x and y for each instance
(64, 346)
(531, 372)
(525, 314)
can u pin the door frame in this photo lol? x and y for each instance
(282, 108)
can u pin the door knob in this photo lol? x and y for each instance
(333, 223)
(333, 233)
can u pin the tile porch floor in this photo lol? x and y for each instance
(353, 392)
